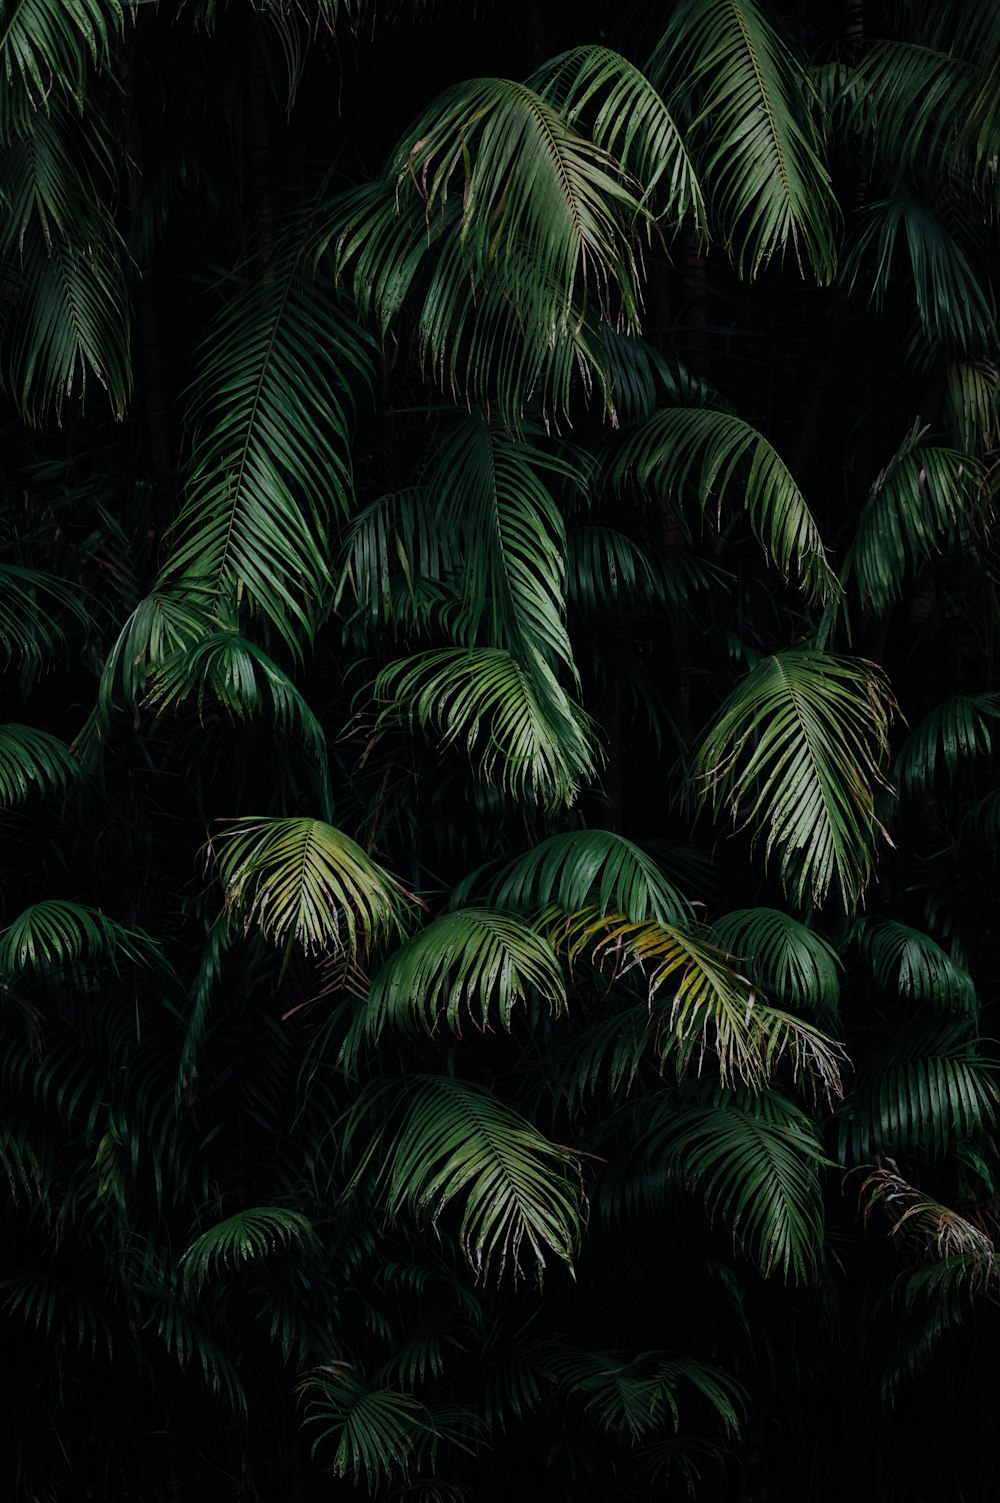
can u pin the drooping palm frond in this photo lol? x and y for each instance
(754, 133)
(973, 404)
(58, 1312)
(269, 462)
(519, 727)
(400, 564)
(375, 1431)
(756, 1160)
(164, 624)
(951, 306)
(917, 1218)
(493, 191)
(701, 454)
(302, 879)
(929, 1089)
(789, 959)
(449, 1140)
(31, 604)
(246, 1237)
(954, 730)
(474, 960)
(637, 1397)
(909, 963)
(706, 1007)
(32, 760)
(46, 44)
(911, 102)
(55, 933)
(629, 120)
(578, 868)
(794, 753)
(921, 494)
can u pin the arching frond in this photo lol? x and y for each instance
(626, 117)
(756, 1160)
(795, 752)
(701, 454)
(32, 760)
(164, 624)
(450, 1140)
(58, 1312)
(375, 1431)
(934, 1229)
(31, 605)
(55, 933)
(909, 963)
(957, 728)
(246, 1237)
(302, 879)
(911, 102)
(401, 564)
(637, 1397)
(474, 960)
(922, 492)
(756, 140)
(579, 868)
(973, 404)
(47, 43)
(520, 729)
(789, 959)
(269, 463)
(605, 567)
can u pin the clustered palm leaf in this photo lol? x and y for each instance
(500, 626)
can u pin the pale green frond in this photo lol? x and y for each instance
(55, 933)
(626, 117)
(928, 1090)
(921, 494)
(951, 304)
(375, 1431)
(47, 43)
(269, 464)
(475, 961)
(755, 137)
(32, 761)
(580, 868)
(247, 1237)
(795, 754)
(456, 1141)
(302, 879)
(520, 729)
(789, 959)
(706, 456)
(700, 1004)
(956, 729)
(908, 963)
(757, 1161)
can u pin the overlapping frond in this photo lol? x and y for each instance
(374, 1431)
(911, 964)
(795, 754)
(789, 959)
(31, 605)
(302, 879)
(637, 1397)
(45, 44)
(916, 1217)
(755, 135)
(703, 454)
(956, 729)
(56, 933)
(32, 760)
(245, 1237)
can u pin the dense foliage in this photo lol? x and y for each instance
(498, 774)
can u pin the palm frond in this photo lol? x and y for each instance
(31, 604)
(582, 867)
(627, 118)
(973, 404)
(789, 959)
(908, 963)
(934, 1229)
(302, 879)
(246, 1237)
(682, 453)
(450, 1140)
(56, 933)
(474, 960)
(401, 564)
(795, 752)
(755, 137)
(919, 496)
(375, 1430)
(269, 465)
(911, 102)
(637, 1397)
(32, 760)
(58, 1312)
(519, 727)
(954, 730)
(46, 43)
(164, 624)
(757, 1161)
(605, 567)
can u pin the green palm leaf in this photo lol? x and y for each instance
(699, 453)
(474, 960)
(520, 729)
(909, 963)
(973, 402)
(302, 879)
(31, 603)
(755, 138)
(55, 933)
(246, 1237)
(376, 1430)
(789, 959)
(269, 459)
(47, 42)
(957, 728)
(794, 752)
(31, 759)
(580, 868)
(932, 1228)
(636, 1397)
(455, 1141)
(919, 496)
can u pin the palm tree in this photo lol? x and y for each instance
(498, 780)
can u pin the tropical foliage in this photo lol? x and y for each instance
(499, 776)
